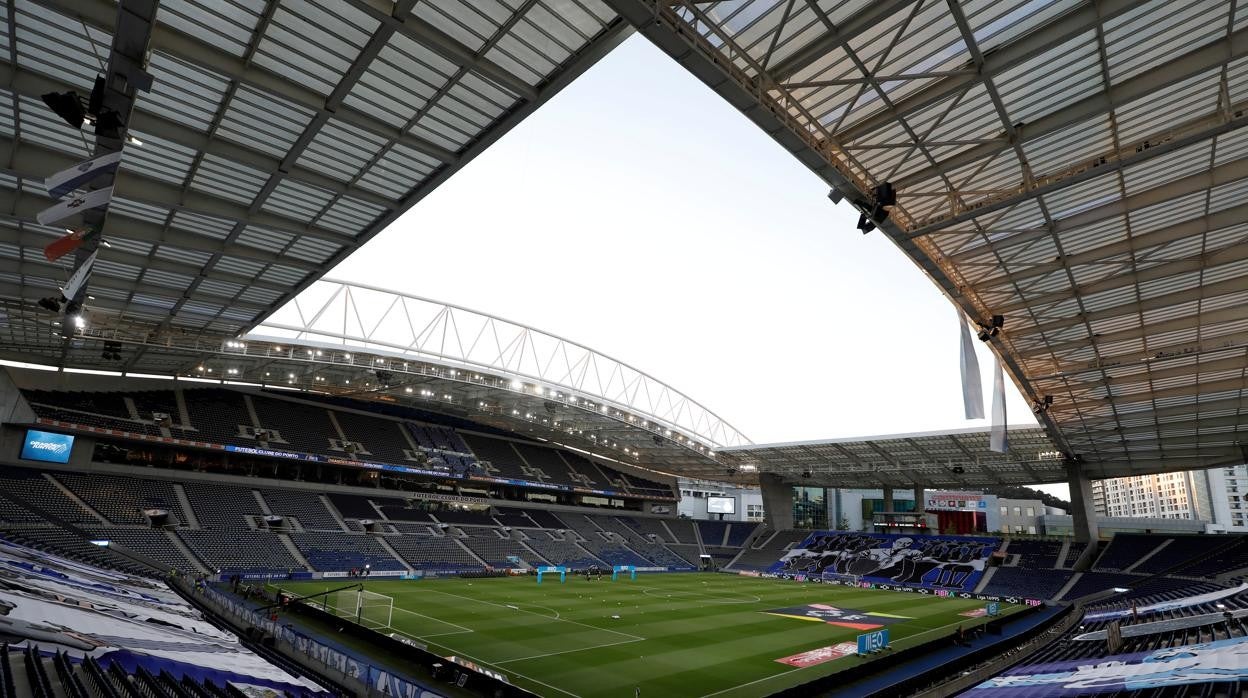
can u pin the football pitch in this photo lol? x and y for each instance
(676, 635)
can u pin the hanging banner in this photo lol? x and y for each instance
(75, 204)
(998, 441)
(79, 279)
(972, 385)
(80, 175)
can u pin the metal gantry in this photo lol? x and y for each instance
(1078, 167)
(355, 317)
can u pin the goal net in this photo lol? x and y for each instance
(368, 608)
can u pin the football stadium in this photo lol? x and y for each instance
(226, 470)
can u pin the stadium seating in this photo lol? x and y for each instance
(496, 551)
(1093, 582)
(149, 542)
(712, 532)
(381, 438)
(433, 553)
(329, 552)
(305, 428)
(220, 506)
(566, 553)
(501, 456)
(1037, 554)
(32, 488)
(122, 500)
(459, 516)
(1179, 551)
(306, 507)
(684, 531)
(240, 551)
(739, 532)
(1032, 583)
(74, 546)
(353, 506)
(1126, 549)
(217, 415)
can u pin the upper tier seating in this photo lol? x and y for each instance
(231, 551)
(146, 541)
(1040, 583)
(1093, 582)
(306, 507)
(1180, 550)
(32, 488)
(1038, 554)
(304, 428)
(712, 531)
(217, 415)
(456, 516)
(433, 553)
(354, 506)
(122, 499)
(739, 532)
(1126, 549)
(221, 506)
(382, 438)
(683, 529)
(566, 553)
(495, 551)
(501, 456)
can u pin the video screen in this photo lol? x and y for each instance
(47, 447)
(721, 505)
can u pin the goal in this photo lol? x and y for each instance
(368, 608)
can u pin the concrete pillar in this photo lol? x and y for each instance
(888, 500)
(1083, 513)
(777, 501)
(920, 500)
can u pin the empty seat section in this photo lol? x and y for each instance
(648, 527)
(304, 506)
(238, 551)
(712, 532)
(217, 416)
(72, 545)
(1181, 550)
(546, 519)
(614, 553)
(1035, 553)
(588, 472)
(150, 402)
(548, 461)
(683, 530)
(146, 541)
(496, 551)
(515, 518)
(305, 428)
(337, 552)
(1092, 582)
(31, 487)
(353, 506)
(433, 553)
(739, 532)
(221, 506)
(1126, 549)
(501, 456)
(123, 499)
(769, 549)
(565, 553)
(396, 512)
(1032, 583)
(382, 438)
(456, 516)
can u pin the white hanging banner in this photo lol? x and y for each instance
(79, 277)
(998, 441)
(972, 385)
(75, 204)
(80, 175)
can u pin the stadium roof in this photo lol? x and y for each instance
(958, 458)
(277, 138)
(1077, 167)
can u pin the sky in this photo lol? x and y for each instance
(640, 214)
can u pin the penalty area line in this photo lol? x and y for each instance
(578, 649)
(461, 630)
(539, 615)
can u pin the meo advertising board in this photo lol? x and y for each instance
(47, 447)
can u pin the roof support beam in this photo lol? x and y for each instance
(99, 13)
(1159, 77)
(866, 18)
(1205, 321)
(1083, 19)
(443, 44)
(1225, 173)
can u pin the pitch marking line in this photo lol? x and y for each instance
(461, 630)
(578, 649)
(515, 673)
(539, 615)
(800, 668)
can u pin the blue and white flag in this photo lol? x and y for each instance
(998, 440)
(972, 386)
(79, 277)
(80, 175)
(75, 204)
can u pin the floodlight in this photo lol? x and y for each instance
(50, 303)
(68, 106)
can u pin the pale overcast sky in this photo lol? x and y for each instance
(640, 214)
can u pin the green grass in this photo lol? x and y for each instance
(678, 634)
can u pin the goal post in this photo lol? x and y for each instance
(630, 570)
(367, 608)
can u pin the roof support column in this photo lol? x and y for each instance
(777, 501)
(889, 507)
(1083, 514)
